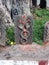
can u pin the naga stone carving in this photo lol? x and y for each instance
(22, 18)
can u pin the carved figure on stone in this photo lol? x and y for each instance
(22, 18)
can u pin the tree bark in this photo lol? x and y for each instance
(34, 3)
(42, 4)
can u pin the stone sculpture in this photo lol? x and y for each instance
(22, 18)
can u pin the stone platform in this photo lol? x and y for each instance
(25, 52)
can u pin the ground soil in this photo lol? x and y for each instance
(25, 52)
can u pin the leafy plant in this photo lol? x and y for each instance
(42, 16)
(42, 12)
(10, 35)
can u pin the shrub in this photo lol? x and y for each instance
(42, 16)
(10, 35)
(38, 31)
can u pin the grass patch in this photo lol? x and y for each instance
(42, 16)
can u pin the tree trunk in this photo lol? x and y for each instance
(42, 4)
(34, 3)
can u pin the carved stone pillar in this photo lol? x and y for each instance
(22, 18)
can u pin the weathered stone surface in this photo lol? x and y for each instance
(23, 35)
(46, 32)
(23, 21)
(7, 16)
(2, 28)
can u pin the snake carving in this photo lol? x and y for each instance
(22, 18)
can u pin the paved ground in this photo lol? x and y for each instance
(25, 52)
(11, 62)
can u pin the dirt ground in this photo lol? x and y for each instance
(25, 52)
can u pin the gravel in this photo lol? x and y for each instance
(25, 52)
